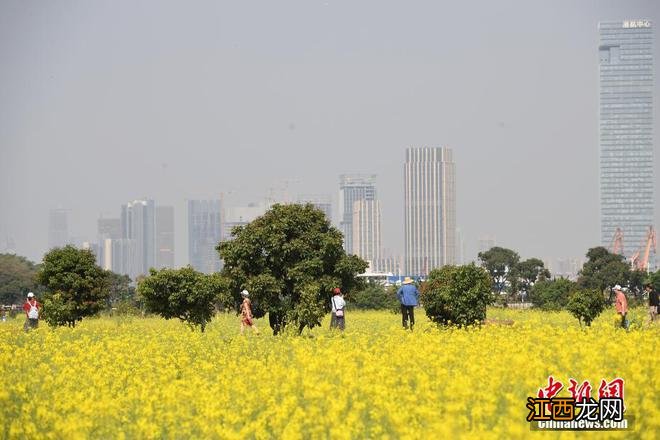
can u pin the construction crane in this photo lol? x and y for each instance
(645, 250)
(616, 247)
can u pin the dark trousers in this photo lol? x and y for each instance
(407, 314)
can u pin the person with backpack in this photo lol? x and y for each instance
(32, 308)
(338, 304)
(408, 297)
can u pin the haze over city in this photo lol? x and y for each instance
(106, 102)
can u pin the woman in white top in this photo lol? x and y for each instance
(338, 304)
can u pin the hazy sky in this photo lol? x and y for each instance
(102, 102)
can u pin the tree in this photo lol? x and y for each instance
(603, 270)
(457, 295)
(551, 294)
(17, 278)
(119, 288)
(531, 271)
(654, 279)
(499, 262)
(289, 260)
(75, 286)
(636, 282)
(374, 297)
(181, 293)
(586, 305)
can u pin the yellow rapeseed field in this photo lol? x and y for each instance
(150, 378)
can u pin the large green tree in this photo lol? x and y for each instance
(552, 294)
(457, 295)
(75, 286)
(182, 293)
(603, 270)
(501, 265)
(17, 278)
(531, 271)
(289, 259)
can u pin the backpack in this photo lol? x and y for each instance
(34, 311)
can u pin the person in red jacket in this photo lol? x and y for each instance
(32, 308)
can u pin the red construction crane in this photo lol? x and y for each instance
(616, 247)
(645, 250)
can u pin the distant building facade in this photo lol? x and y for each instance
(205, 227)
(626, 131)
(365, 232)
(58, 228)
(353, 187)
(138, 223)
(164, 237)
(240, 216)
(429, 209)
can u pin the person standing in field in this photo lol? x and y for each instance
(653, 301)
(408, 297)
(31, 309)
(338, 304)
(246, 313)
(621, 304)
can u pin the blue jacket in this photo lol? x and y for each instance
(408, 295)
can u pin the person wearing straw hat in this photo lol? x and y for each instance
(408, 297)
(247, 320)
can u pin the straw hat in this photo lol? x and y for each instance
(407, 280)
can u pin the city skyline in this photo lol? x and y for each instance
(103, 115)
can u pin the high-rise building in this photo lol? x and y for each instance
(58, 228)
(204, 234)
(626, 131)
(487, 242)
(320, 201)
(429, 209)
(108, 228)
(366, 232)
(353, 187)
(138, 223)
(117, 255)
(164, 237)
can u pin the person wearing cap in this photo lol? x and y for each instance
(246, 313)
(653, 301)
(338, 304)
(408, 297)
(31, 309)
(621, 304)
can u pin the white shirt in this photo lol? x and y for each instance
(337, 303)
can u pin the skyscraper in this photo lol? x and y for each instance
(58, 228)
(164, 237)
(366, 232)
(353, 187)
(429, 209)
(204, 234)
(138, 223)
(626, 131)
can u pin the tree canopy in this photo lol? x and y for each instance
(289, 260)
(500, 264)
(75, 286)
(17, 278)
(457, 295)
(603, 270)
(182, 293)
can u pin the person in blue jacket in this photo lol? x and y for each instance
(408, 297)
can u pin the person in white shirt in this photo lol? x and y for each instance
(338, 304)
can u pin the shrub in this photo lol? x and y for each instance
(551, 294)
(374, 297)
(586, 305)
(457, 295)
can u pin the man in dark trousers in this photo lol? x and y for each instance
(653, 301)
(408, 297)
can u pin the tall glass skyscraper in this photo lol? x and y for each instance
(430, 209)
(626, 131)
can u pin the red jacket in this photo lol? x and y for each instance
(28, 305)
